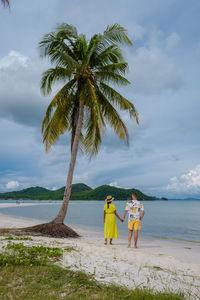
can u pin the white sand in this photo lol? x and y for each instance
(158, 264)
(5, 205)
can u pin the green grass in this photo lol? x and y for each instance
(22, 279)
(53, 282)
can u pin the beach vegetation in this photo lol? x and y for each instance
(38, 282)
(35, 272)
(20, 254)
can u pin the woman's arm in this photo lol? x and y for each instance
(104, 216)
(116, 214)
(125, 212)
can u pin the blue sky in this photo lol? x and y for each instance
(163, 157)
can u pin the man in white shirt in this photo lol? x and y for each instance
(135, 214)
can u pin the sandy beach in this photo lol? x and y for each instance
(158, 264)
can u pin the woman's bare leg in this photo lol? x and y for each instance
(110, 241)
(105, 242)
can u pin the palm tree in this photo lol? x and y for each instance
(86, 103)
(5, 3)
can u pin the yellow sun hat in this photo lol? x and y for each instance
(109, 198)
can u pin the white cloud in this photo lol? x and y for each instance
(152, 66)
(172, 40)
(158, 39)
(114, 183)
(12, 185)
(54, 188)
(13, 60)
(138, 31)
(188, 182)
(153, 71)
(21, 99)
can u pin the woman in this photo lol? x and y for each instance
(110, 224)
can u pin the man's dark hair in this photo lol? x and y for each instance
(135, 194)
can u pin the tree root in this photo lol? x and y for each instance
(52, 229)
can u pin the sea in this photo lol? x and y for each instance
(175, 220)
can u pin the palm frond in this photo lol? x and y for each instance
(113, 118)
(117, 34)
(61, 96)
(111, 54)
(121, 102)
(118, 67)
(82, 47)
(53, 75)
(54, 41)
(94, 102)
(92, 139)
(113, 35)
(59, 122)
(62, 59)
(66, 30)
(91, 48)
(111, 77)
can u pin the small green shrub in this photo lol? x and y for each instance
(19, 254)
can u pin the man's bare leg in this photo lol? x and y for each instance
(110, 241)
(105, 242)
(129, 238)
(135, 238)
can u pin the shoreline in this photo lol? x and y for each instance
(6, 205)
(96, 229)
(158, 244)
(156, 264)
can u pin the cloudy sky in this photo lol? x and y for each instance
(163, 157)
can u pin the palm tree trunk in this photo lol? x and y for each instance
(59, 219)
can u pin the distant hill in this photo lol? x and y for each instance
(101, 192)
(76, 189)
(42, 193)
(185, 199)
(80, 191)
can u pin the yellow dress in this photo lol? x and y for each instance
(110, 226)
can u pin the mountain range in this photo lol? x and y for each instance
(80, 191)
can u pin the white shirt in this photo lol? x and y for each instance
(134, 207)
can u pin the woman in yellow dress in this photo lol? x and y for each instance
(110, 224)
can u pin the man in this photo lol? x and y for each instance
(135, 214)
